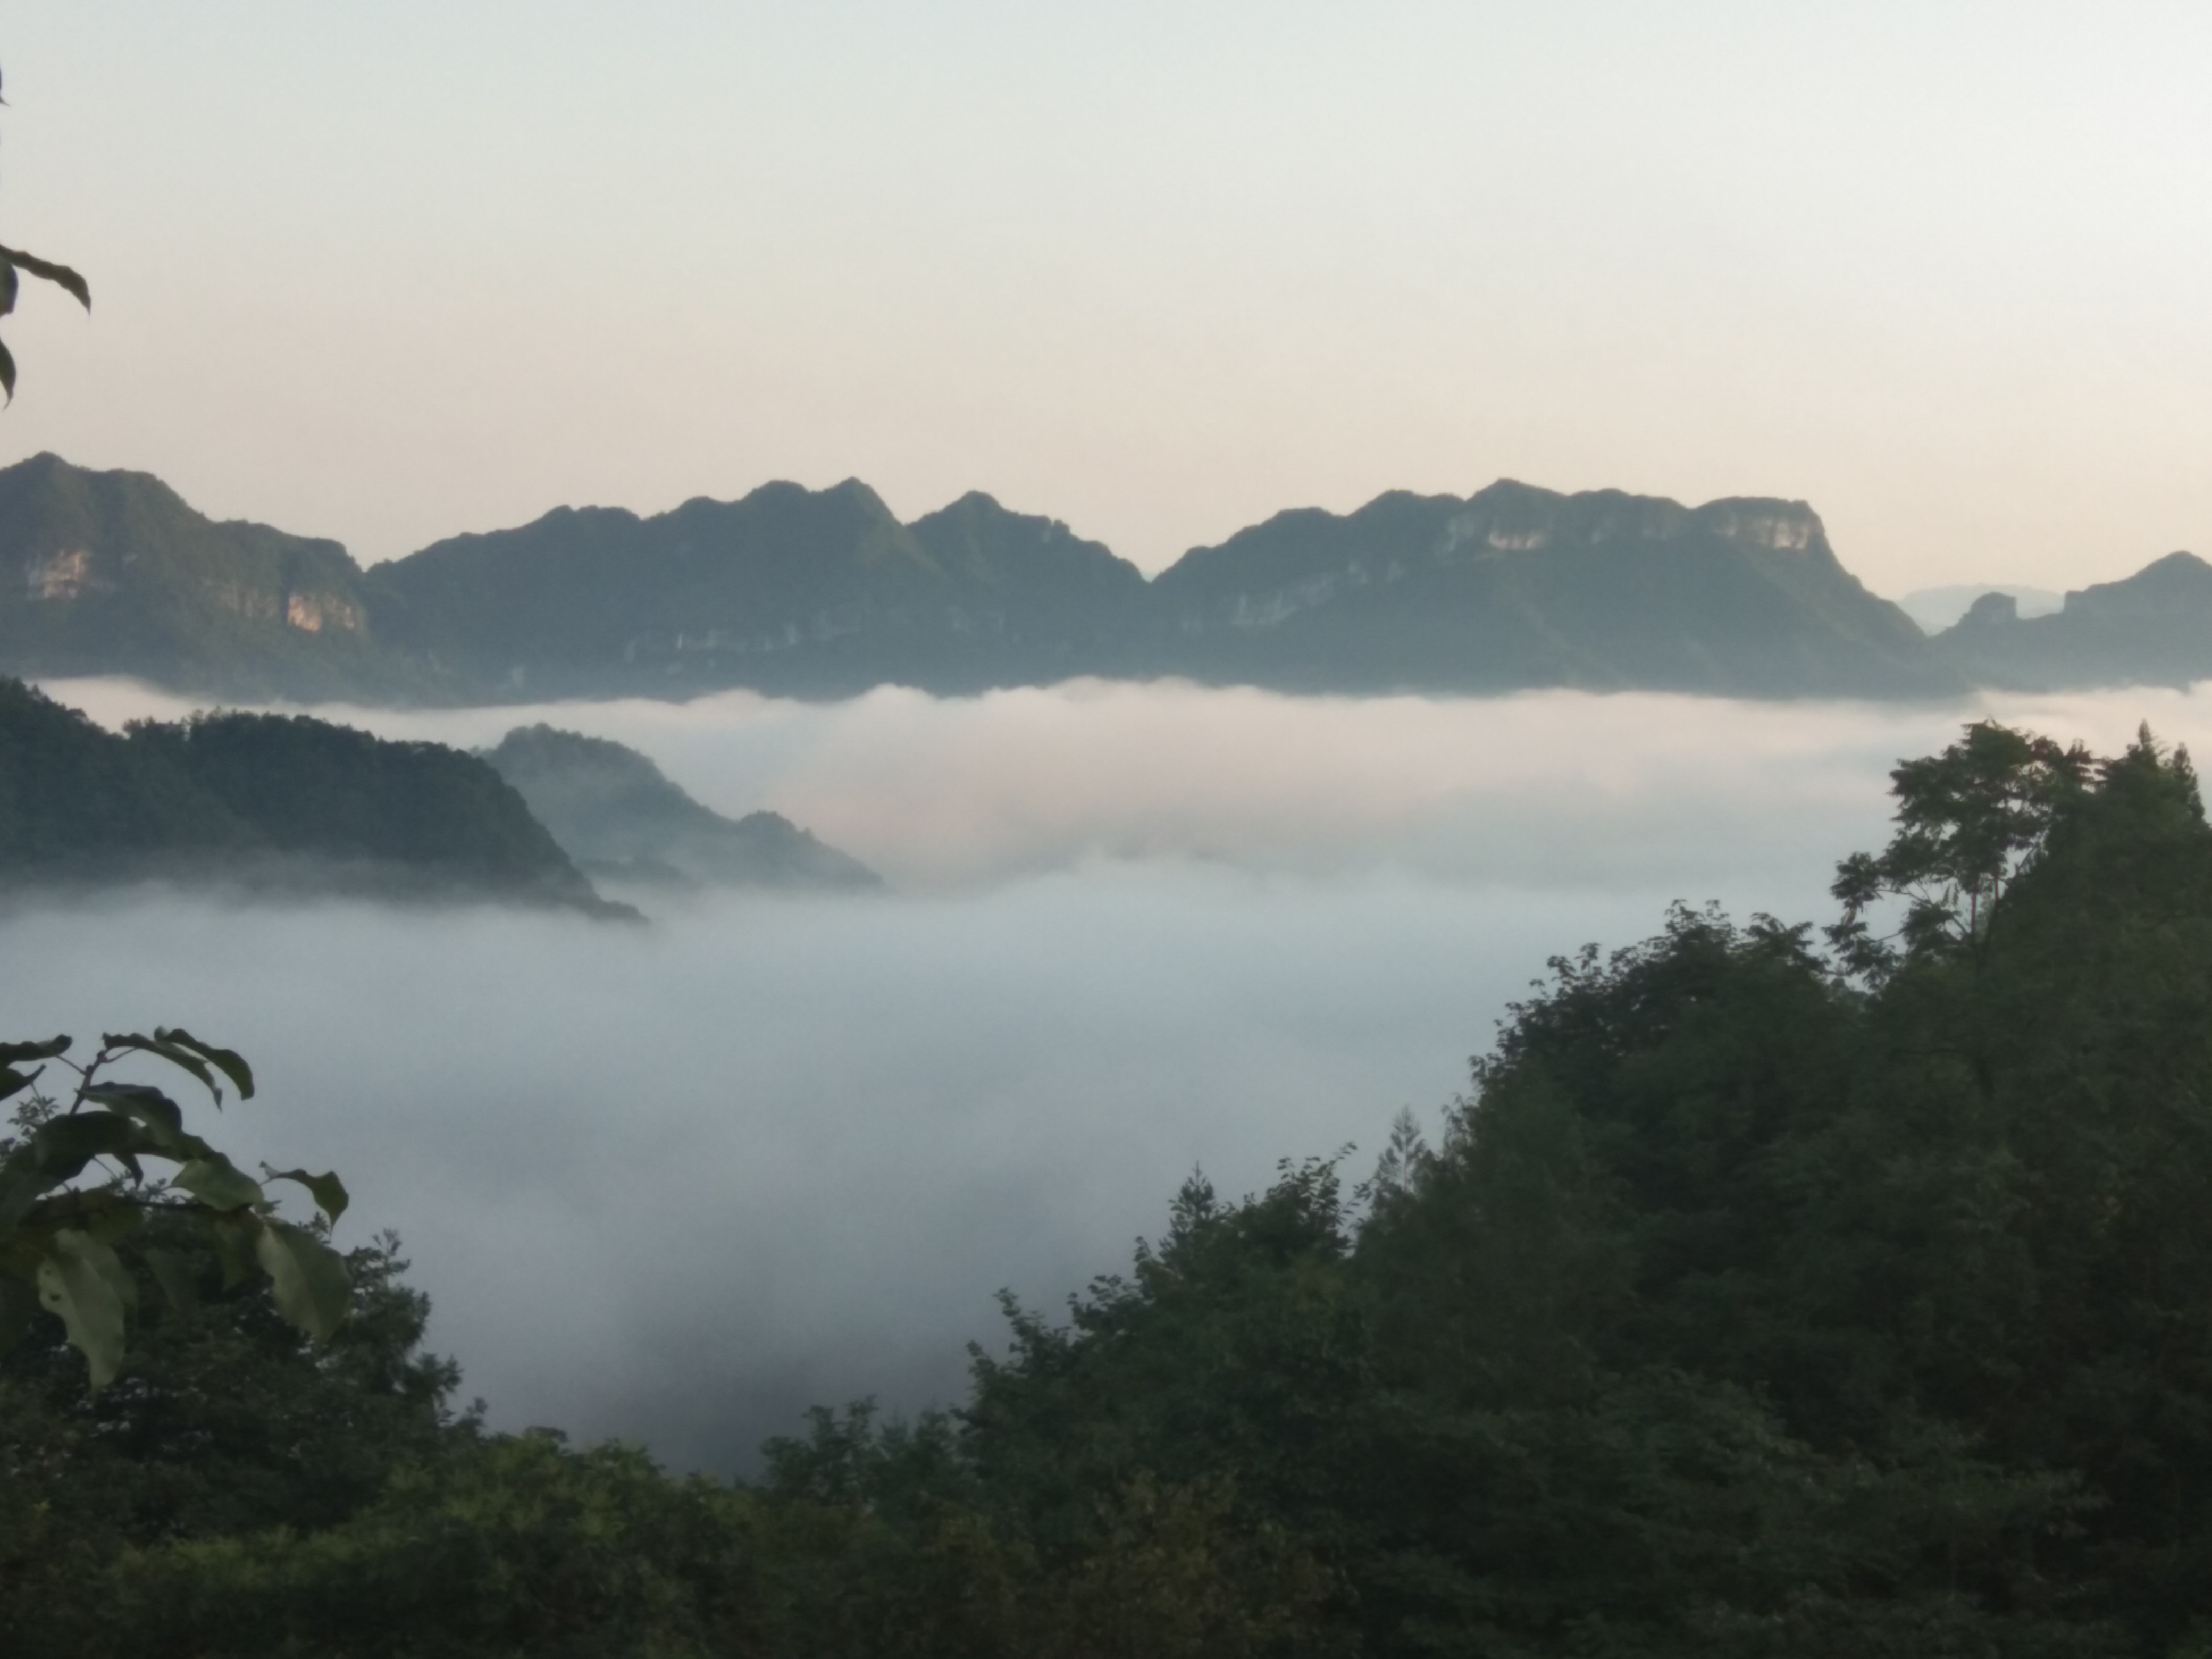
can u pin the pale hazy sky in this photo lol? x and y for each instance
(389, 272)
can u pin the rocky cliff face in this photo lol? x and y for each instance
(118, 574)
(1518, 587)
(824, 593)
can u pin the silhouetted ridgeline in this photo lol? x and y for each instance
(1515, 586)
(2154, 628)
(620, 820)
(824, 593)
(265, 802)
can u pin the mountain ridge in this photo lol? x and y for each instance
(2152, 628)
(621, 819)
(287, 806)
(825, 594)
(114, 567)
(1515, 586)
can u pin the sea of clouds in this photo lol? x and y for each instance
(675, 1183)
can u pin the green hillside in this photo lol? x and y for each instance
(794, 591)
(824, 593)
(111, 572)
(263, 801)
(1045, 604)
(1515, 586)
(2154, 628)
(620, 819)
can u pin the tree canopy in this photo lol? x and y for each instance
(1753, 1302)
(1756, 1300)
(74, 1187)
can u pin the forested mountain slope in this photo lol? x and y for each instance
(264, 801)
(621, 819)
(111, 572)
(824, 593)
(1743, 1308)
(1515, 586)
(2154, 628)
(814, 593)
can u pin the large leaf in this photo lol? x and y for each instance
(64, 1146)
(12, 1054)
(60, 275)
(22, 1183)
(57, 1152)
(81, 1280)
(234, 1237)
(307, 1277)
(218, 1183)
(326, 1189)
(229, 1062)
(161, 1117)
(9, 284)
(175, 1054)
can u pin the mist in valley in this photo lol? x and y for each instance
(675, 1182)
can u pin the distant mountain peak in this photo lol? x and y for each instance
(2153, 628)
(107, 572)
(974, 500)
(2183, 567)
(1990, 611)
(620, 819)
(1515, 586)
(799, 592)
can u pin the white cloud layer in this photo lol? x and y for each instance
(677, 1182)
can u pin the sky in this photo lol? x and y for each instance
(388, 272)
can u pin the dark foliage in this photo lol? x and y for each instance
(263, 800)
(112, 573)
(1755, 1303)
(1744, 1309)
(73, 798)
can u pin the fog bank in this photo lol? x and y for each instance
(1555, 788)
(677, 1182)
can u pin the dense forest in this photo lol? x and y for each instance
(1770, 1292)
(287, 802)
